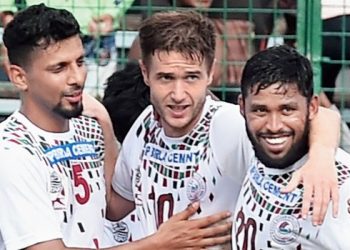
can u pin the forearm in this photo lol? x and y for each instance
(325, 131)
(111, 153)
(95, 109)
(148, 243)
(144, 244)
(118, 207)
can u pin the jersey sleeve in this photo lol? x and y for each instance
(122, 178)
(128, 159)
(329, 234)
(231, 146)
(26, 216)
(334, 232)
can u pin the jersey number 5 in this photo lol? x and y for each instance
(80, 181)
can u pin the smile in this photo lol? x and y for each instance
(276, 140)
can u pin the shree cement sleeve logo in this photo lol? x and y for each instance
(71, 151)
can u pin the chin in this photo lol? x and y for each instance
(70, 113)
(280, 161)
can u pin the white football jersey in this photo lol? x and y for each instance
(51, 184)
(164, 175)
(267, 219)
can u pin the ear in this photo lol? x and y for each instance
(241, 104)
(18, 77)
(313, 106)
(144, 72)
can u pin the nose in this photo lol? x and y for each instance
(77, 75)
(178, 93)
(274, 122)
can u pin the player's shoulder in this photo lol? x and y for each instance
(222, 110)
(14, 128)
(15, 156)
(84, 122)
(222, 105)
(342, 163)
(225, 115)
(144, 122)
(86, 127)
(147, 119)
(342, 157)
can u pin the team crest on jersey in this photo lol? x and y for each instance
(284, 229)
(120, 231)
(196, 188)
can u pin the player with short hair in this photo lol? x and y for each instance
(278, 105)
(52, 185)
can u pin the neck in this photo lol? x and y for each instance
(50, 123)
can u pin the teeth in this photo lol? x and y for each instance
(177, 107)
(277, 140)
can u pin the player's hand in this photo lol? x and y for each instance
(180, 232)
(319, 178)
(93, 108)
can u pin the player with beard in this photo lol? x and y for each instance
(278, 105)
(187, 147)
(52, 185)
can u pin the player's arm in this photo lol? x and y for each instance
(95, 109)
(177, 233)
(318, 175)
(118, 207)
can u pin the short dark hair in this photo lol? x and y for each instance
(38, 26)
(185, 32)
(126, 96)
(279, 64)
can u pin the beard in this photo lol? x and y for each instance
(69, 113)
(296, 152)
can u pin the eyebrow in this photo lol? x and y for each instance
(161, 74)
(62, 63)
(257, 105)
(194, 72)
(290, 104)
